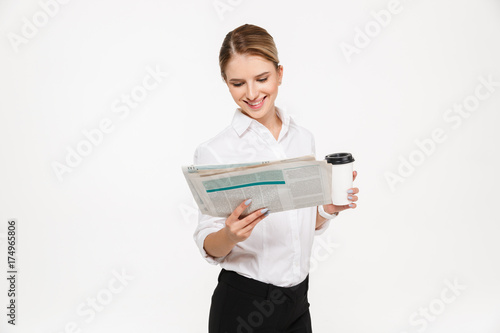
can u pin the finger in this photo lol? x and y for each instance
(353, 205)
(238, 210)
(330, 208)
(340, 208)
(252, 216)
(354, 174)
(353, 190)
(251, 225)
(352, 197)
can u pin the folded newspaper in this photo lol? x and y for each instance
(278, 185)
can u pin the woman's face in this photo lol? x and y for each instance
(253, 83)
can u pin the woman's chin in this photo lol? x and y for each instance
(256, 114)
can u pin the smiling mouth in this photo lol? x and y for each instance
(256, 105)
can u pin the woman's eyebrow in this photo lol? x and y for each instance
(255, 76)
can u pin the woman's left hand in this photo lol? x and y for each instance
(351, 195)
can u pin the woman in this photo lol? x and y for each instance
(263, 283)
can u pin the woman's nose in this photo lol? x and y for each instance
(252, 92)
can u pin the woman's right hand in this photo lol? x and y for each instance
(238, 230)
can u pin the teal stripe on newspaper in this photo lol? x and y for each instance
(244, 185)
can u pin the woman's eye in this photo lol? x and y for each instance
(240, 84)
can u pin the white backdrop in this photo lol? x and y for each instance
(105, 219)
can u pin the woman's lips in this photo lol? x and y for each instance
(257, 106)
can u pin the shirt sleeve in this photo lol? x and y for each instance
(313, 145)
(207, 224)
(325, 226)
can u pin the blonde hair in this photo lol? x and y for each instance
(247, 39)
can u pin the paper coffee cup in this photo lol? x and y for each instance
(342, 168)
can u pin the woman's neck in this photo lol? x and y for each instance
(272, 122)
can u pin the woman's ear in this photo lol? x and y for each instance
(280, 73)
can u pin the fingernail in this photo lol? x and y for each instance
(267, 213)
(264, 210)
(248, 202)
(351, 205)
(349, 197)
(350, 191)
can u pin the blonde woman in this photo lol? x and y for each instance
(264, 255)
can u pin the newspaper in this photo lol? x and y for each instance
(278, 185)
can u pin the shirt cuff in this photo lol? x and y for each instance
(200, 240)
(322, 229)
(325, 225)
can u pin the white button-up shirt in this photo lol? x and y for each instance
(278, 250)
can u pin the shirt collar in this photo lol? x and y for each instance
(241, 122)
